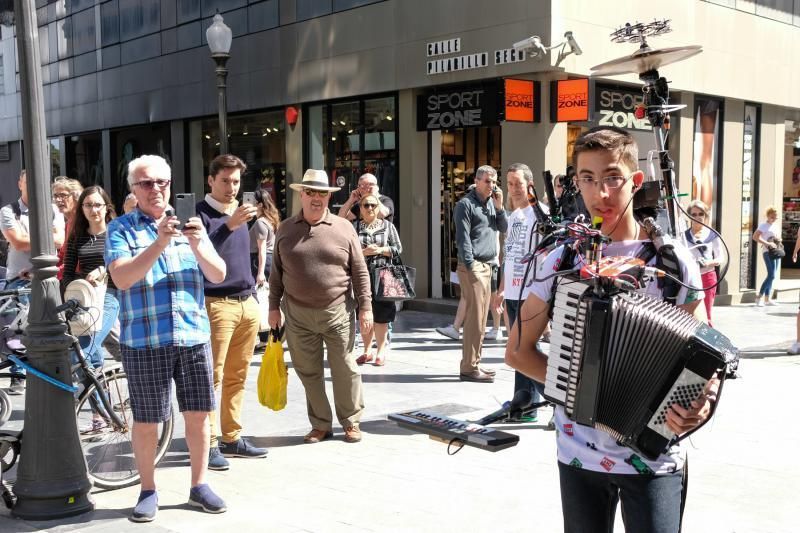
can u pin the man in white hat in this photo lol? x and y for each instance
(317, 264)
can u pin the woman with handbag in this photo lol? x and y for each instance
(768, 235)
(262, 242)
(83, 259)
(379, 242)
(706, 248)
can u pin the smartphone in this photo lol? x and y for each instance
(249, 198)
(185, 208)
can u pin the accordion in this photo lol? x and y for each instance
(617, 362)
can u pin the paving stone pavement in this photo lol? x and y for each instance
(744, 473)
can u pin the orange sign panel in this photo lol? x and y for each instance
(570, 100)
(520, 102)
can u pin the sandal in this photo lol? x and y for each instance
(380, 360)
(365, 358)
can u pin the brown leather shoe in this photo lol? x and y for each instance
(352, 433)
(317, 435)
(487, 371)
(477, 376)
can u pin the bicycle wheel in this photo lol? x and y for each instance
(5, 407)
(108, 449)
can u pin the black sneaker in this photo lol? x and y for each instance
(203, 497)
(216, 461)
(241, 448)
(17, 386)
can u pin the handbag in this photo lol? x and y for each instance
(778, 252)
(262, 297)
(273, 377)
(394, 282)
(89, 296)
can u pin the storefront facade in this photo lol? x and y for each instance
(417, 96)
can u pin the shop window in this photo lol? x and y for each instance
(127, 145)
(54, 146)
(260, 141)
(349, 138)
(84, 158)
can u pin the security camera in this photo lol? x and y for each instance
(534, 44)
(573, 44)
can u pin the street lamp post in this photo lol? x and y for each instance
(219, 40)
(52, 480)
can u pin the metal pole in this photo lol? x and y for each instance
(52, 480)
(222, 76)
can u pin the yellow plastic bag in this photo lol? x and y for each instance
(273, 377)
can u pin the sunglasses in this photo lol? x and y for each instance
(149, 185)
(312, 192)
(369, 206)
(696, 214)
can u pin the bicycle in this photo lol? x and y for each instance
(102, 409)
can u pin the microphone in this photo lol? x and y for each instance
(521, 401)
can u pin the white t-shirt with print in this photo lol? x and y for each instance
(521, 238)
(590, 448)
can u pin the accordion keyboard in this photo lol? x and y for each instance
(566, 341)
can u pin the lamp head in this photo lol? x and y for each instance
(219, 37)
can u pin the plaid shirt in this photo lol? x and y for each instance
(167, 307)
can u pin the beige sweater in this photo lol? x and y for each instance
(318, 266)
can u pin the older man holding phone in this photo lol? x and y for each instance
(164, 331)
(231, 305)
(479, 216)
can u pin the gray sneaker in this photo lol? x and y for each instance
(217, 461)
(449, 332)
(203, 497)
(241, 448)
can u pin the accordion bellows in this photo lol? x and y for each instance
(618, 362)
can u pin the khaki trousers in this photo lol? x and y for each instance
(306, 331)
(476, 290)
(234, 327)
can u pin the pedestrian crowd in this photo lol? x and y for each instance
(181, 305)
(179, 300)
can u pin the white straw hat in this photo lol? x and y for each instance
(314, 179)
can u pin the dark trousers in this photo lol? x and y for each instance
(650, 504)
(521, 381)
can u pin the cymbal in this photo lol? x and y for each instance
(644, 60)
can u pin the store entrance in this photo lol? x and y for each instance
(463, 151)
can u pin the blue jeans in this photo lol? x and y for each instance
(92, 345)
(650, 504)
(772, 267)
(521, 381)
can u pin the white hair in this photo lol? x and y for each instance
(155, 162)
(368, 176)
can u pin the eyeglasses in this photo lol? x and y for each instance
(369, 206)
(312, 192)
(61, 195)
(611, 182)
(148, 185)
(91, 206)
(697, 214)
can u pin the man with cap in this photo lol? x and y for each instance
(317, 265)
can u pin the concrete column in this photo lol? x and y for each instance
(294, 163)
(730, 183)
(178, 156)
(420, 198)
